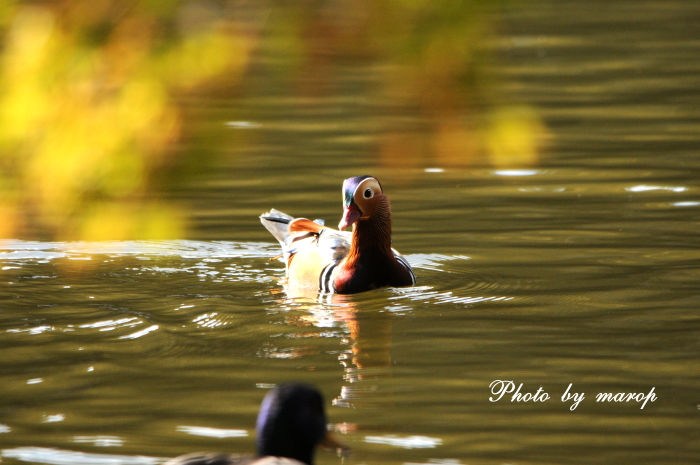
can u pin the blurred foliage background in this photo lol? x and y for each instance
(94, 96)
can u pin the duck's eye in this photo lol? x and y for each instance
(368, 193)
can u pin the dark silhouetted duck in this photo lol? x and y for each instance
(338, 262)
(291, 423)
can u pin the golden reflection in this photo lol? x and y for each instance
(88, 114)
(367, 358)
(93, 96)
(515, 136)
(430, 62)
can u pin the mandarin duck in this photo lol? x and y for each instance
(337, 261)
(291, 423)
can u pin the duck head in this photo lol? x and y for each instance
(292, 422)
(361, 195)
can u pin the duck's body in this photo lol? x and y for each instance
(291, 423)
(340, 262)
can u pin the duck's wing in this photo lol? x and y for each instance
(289, 231)
(309, 249)
(334, 245)
(313, 258)
(277, 223)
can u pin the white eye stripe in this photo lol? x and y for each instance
(367, 189)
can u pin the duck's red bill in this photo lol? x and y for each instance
(350, 216)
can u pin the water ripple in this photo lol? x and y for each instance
(424, 293)
(141, 333)
(213, 432)
(99, 440)
(410, 442)
(31, 250)
(68, 457)
(433, 262)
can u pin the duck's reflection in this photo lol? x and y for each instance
(367, 357)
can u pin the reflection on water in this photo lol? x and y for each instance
(108, 299)
(410, 442)
(405, 369)
(213, 432)
(60, 457)
(99, 97)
